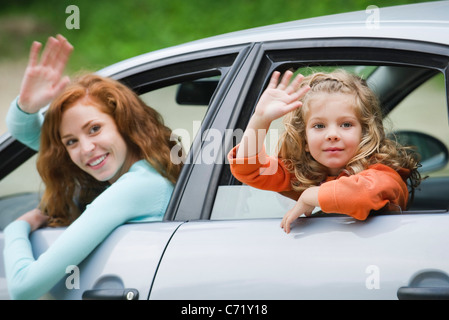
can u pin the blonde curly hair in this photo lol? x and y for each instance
(374, 146)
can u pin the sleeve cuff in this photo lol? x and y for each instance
(16, 227)
(259, 159)
(16, 101)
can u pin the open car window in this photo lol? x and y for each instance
(425, 111)
(182, 105)
(419, 120)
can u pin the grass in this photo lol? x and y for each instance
(111, 31)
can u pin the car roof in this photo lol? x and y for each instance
(428, 22)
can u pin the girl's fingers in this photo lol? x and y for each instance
(296, 83)
(285, 80)
(300, 93)
(285, 223)
(289, 108)
(274, 80)
(287, 227)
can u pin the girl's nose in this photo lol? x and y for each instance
(332, 135)
(333, 138)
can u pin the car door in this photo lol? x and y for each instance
(237, 249)
(187, 90)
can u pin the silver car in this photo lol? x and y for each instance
(221, 239)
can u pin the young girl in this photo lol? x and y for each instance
(104, 157)
(333, 154)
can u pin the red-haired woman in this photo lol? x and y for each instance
(104, 157)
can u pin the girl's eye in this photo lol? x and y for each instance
(346, 125)
(318, 126)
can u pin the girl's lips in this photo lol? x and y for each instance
(333, 149)
(96, 162)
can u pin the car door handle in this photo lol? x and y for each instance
(423, 293)
(111, 294)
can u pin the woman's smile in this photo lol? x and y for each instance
(97, 162)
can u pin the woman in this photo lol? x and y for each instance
(99, 145)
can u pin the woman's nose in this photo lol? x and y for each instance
(87, 146)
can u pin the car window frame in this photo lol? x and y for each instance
(282, 55)
(148, 76)
(190, 192)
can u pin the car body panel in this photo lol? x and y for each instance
(127, 259)
(322, 258)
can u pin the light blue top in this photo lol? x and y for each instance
(140, 194)
(25, 127)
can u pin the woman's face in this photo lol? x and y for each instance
(93, 141)
(333, 130)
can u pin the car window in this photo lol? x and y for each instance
(182, 106)
(423, 113)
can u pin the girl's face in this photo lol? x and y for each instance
(333, 130)
(93, 141)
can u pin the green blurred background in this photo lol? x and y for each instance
(114, 30)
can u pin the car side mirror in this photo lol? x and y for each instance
(434, 153)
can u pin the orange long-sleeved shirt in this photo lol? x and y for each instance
(356, 195)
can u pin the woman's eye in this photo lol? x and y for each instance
(94, 129)
(70, 142)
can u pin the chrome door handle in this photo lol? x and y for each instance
(423, 293)
(111, 294)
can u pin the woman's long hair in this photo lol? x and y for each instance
(67, 187)
(374, 146)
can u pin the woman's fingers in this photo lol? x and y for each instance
(59, 87)
(34, 53)
(63, 54)
(51, 48)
